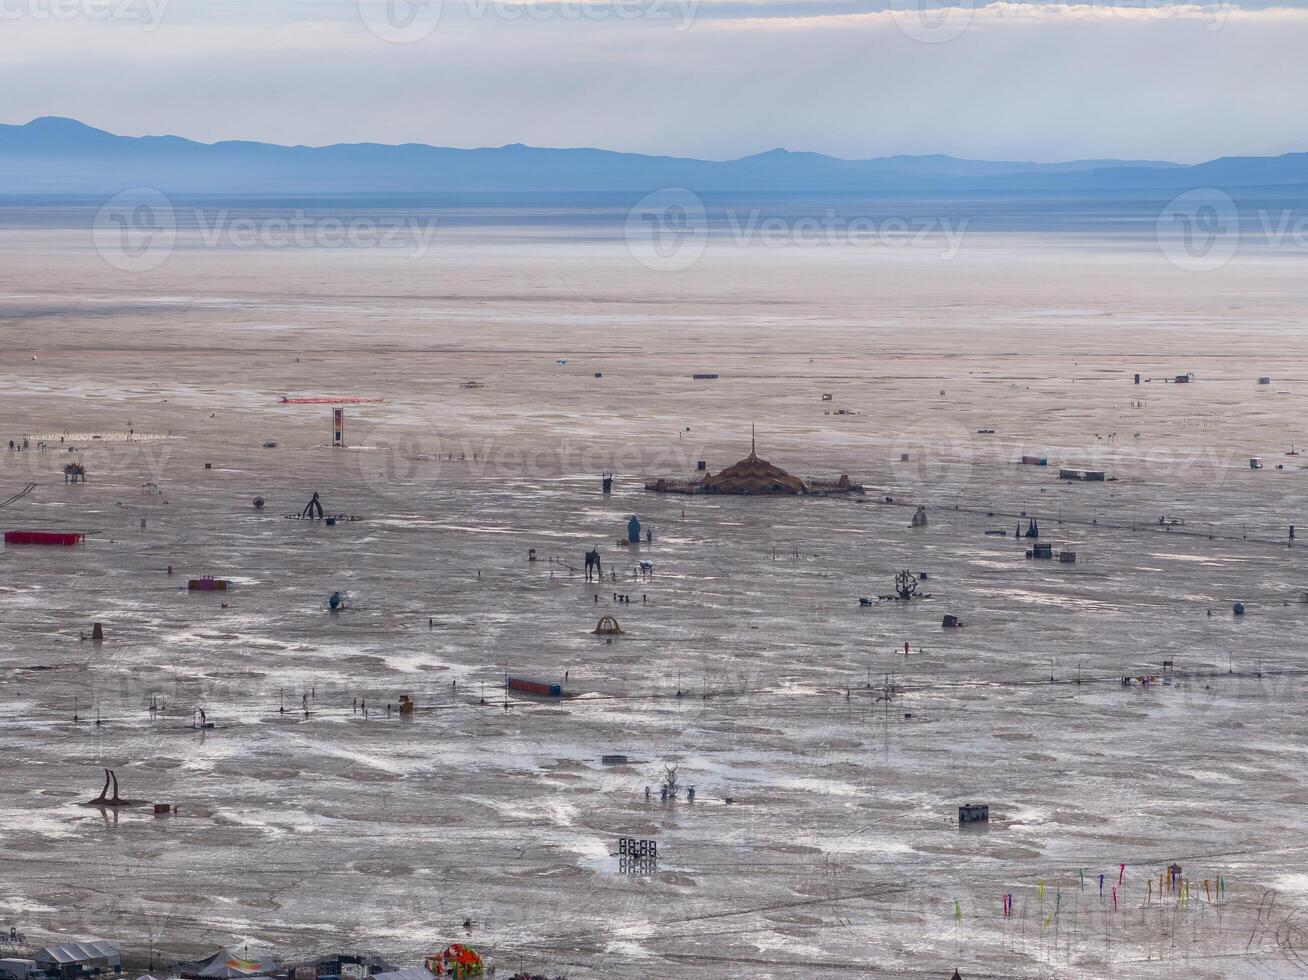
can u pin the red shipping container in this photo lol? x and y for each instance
(534, 687)
(62, 538)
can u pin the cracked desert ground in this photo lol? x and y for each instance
(841, 853)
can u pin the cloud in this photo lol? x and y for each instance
(1018, 80)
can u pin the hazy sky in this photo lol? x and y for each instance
(712, 78)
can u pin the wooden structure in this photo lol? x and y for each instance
(74, 473)
(607, 626)
(756, 477)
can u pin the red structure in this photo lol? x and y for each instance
(332, 401)
(533, 687)
(61, 538)
(456, 960)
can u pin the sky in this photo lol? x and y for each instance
(717, 79)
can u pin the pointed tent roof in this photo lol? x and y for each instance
(78, 952)
(754, 475)
(226, 964)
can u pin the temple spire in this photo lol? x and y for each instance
(752, 447)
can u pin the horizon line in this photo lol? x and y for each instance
(1108, 159)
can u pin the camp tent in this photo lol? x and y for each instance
(75, 959)
(412, 973)
(226, 964)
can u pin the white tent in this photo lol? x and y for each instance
(226, 965)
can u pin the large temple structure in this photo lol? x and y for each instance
(754, 476)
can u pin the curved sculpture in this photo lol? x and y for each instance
(607, 626)
(104, 799)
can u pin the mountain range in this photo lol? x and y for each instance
(54, 155)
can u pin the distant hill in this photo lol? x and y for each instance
(53, 155)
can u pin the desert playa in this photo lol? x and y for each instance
(1113, 711)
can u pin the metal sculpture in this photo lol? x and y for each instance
(593, 564)
(313, 509)
(104, 799)
(670, 779)
(906, 585)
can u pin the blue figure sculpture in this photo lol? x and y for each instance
(633, 530)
